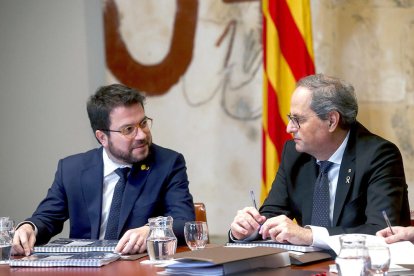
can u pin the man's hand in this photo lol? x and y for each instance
(400, 234)
(246, 222)
(283, 230)
(23, 240)
(133, 241)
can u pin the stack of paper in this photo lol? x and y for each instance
(272, 243)
(71, 252)
(92, 259)
(77, 245)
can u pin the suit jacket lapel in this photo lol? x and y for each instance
(135, 184)
(92, 185)
(345, 178)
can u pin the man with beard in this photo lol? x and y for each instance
(156, 181)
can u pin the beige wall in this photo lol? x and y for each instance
(370, 44)
(51, 59)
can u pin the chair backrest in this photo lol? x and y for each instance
(201, 214)
(200, 211)
(412, 217)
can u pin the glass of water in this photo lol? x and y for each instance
(380, 259)
(196, 234)
(6, 238)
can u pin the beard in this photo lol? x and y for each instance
(128, 156)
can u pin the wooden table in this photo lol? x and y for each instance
(135, 268)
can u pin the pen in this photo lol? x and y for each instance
(387, 221)
(253, 199)
(254, 203)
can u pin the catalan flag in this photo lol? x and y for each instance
(287, 57)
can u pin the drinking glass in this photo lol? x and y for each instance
(196, 234)
(380, 259)
(6, 238)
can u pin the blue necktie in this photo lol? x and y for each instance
(320, 210)
(113, 218)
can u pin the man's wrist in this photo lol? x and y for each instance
(29, 223)
(308, 235)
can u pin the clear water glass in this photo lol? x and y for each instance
(6, 239)
(196, 234)
(380, 259)
(353, 258)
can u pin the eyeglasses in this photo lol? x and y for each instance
(130, 131)
(296, 120)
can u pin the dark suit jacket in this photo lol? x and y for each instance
(158, 189)
(371, 179)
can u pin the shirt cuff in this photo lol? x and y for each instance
(27, 222)
(320, 236)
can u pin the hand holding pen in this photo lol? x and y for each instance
(396, 233)
(247, 221)
(401, 233)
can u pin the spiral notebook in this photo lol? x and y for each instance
(65, 245)
(271, 243)
(90, 259)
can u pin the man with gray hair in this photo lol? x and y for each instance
(335, 176)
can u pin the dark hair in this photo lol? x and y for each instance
(105, 99)
(328, 94)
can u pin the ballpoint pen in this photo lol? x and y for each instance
(254, 204)
(253, 199)
(387, 221)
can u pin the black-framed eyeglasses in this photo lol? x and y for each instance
(296, 120)
(130, 131)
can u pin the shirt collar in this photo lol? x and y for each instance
(109, 165)
(336, 158)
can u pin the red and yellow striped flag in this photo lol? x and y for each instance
(288, 56)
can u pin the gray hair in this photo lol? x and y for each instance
(331, 94)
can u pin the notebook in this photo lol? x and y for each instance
(271, 243)
(65, 245)
(91, 259)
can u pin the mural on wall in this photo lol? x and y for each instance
(158, 78)
(200, 63)
(154, 79)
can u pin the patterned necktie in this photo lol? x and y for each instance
(320, 210)
(113, 218)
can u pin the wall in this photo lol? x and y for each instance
(51, 60)
(369, 43)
